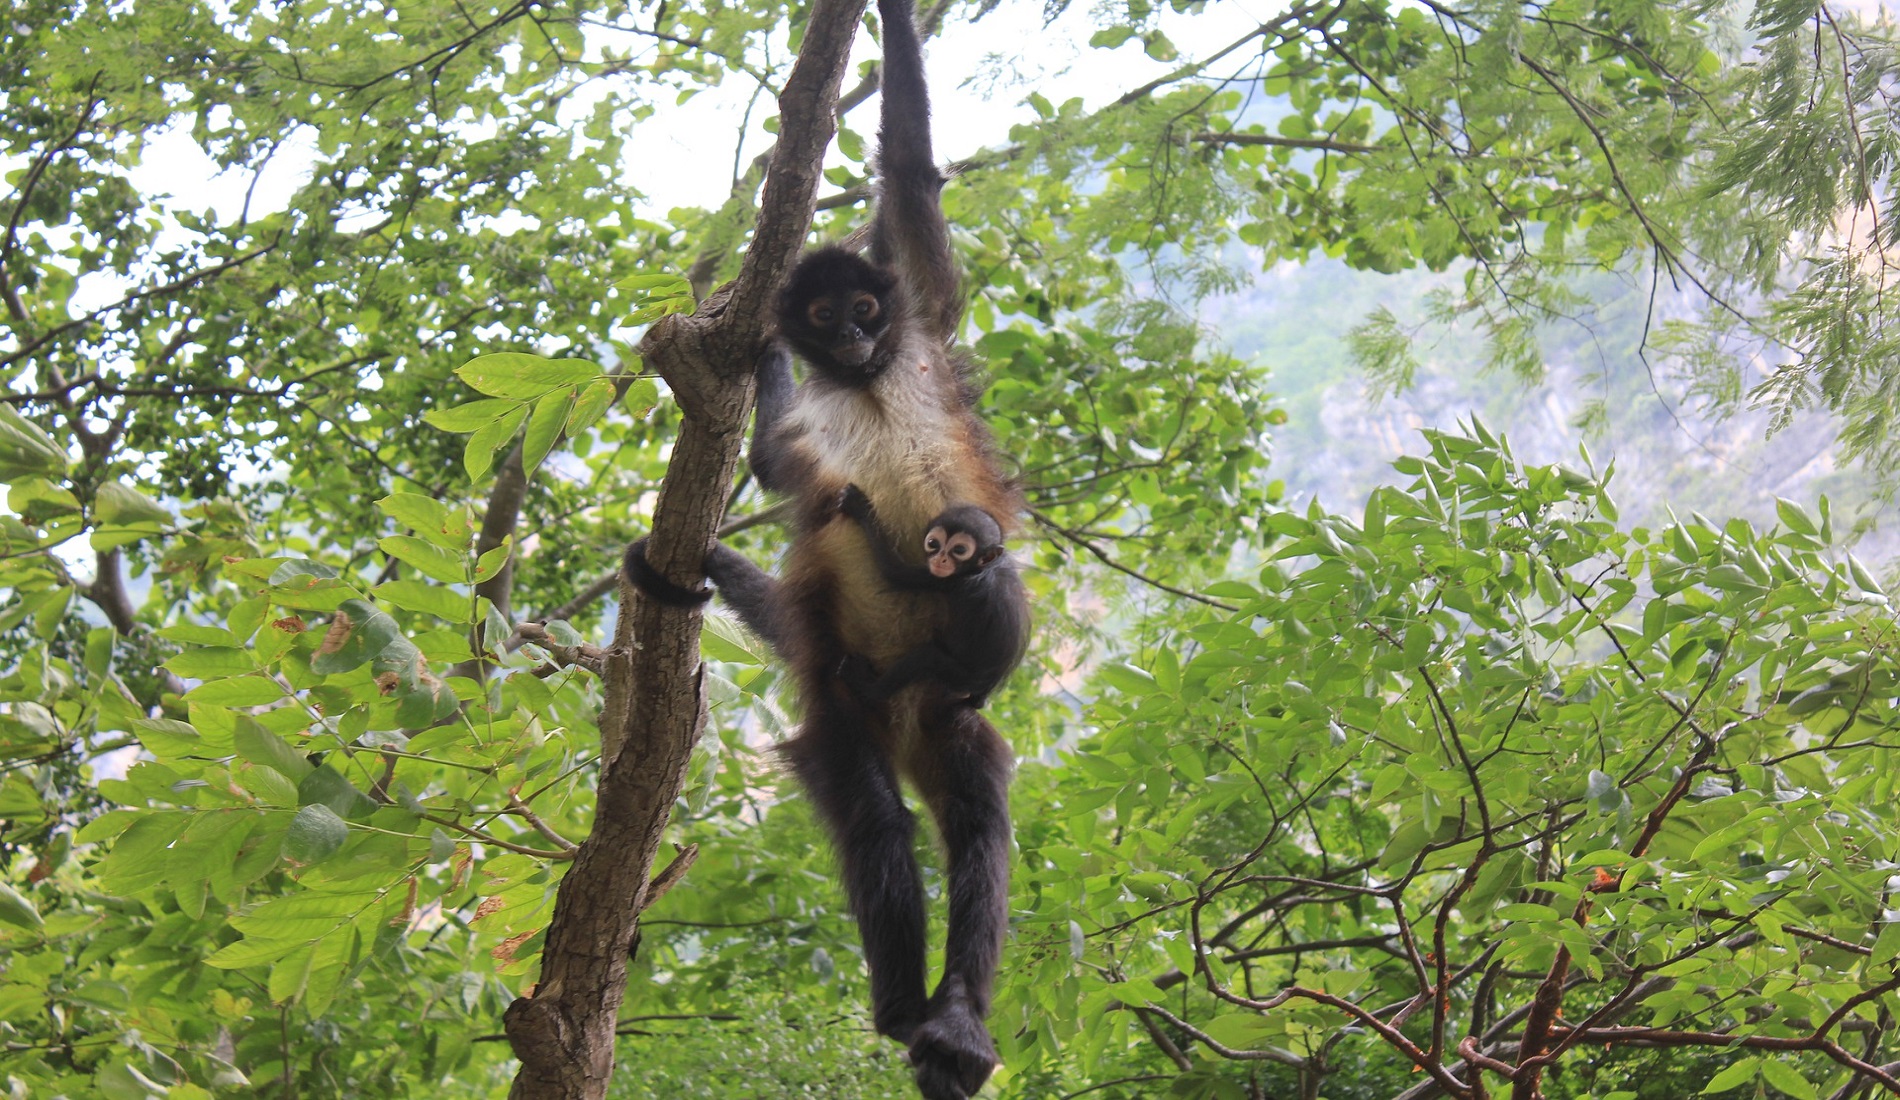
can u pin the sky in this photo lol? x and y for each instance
(683, 156)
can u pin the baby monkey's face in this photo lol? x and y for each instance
(949, 551)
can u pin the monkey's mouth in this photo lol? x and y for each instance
(941, 566)
(856, 353)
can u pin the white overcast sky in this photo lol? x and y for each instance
(979, 74)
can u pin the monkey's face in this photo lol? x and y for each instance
(951, 551)
(833, 311)
(847, 323)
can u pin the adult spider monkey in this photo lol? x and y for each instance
(884, 406)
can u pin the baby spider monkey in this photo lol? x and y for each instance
(985, 627)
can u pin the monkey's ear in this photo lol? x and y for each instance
(984, 559)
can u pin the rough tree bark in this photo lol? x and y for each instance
(655, 701)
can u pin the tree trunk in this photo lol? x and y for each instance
(564, 1032)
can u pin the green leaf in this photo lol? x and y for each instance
(358, 632)
(1127, 678)
(26, 450)
(1389, 780)
(491, 561)
(1886, 945)
(1782, 1075)
(121, 1081)
(212, 661)
(250, 951)
(662, 284)
(472, 416)
(325, 787)
(1244, 1030)
(315, 834)
(268, 785)
(137, 860)
(435, 521)
(524, 377)
(16, 910)
(722, 640)
(479, 456)
(643, 396)
(241, 691)
(260, 746)
(120, 504)
(415, 595)
(544, 428)
(1795, 517)
(39, 501)
(1862, 576)
(430, 560)
(290, 974)
(589, 405)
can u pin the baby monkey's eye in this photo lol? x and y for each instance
(961, 548)
(933, 544)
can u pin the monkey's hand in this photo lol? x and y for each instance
(852, 502)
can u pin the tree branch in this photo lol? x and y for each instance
(655, 699)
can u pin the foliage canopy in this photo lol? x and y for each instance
(1310, 804)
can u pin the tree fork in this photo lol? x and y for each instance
(655, 701)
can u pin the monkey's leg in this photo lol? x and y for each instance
(965, 778)
(852, 784)
(750, 591)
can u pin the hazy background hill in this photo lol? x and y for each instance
(1339, 440)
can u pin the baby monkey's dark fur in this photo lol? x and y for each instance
(985, 630)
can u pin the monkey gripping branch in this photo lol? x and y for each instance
(655, 698)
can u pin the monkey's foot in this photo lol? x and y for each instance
(951, 1053)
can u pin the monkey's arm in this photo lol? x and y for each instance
(897, 572)
(776, 388)
(751, 592)
(654, 584)
(909, 232)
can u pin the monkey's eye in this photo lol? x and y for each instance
(933, 542)
(864, 308)
(820, 313)
(962, 547)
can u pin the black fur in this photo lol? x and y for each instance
(655, 584)
(986, 628)
(746, 587)
(843, 752)
(776, 389)
(846, 347)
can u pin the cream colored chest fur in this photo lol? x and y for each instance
(895, 440)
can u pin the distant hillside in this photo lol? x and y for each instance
(1338, 444)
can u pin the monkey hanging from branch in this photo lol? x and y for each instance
(886, 407)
